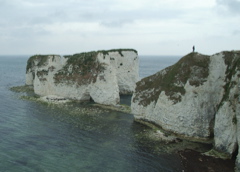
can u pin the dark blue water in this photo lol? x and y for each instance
(39, 137)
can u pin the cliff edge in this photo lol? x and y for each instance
(98, 75)
(196, 97)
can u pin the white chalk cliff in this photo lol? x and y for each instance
(196, 97)
(100, 75)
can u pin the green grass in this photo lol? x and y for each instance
(40, 59)
(172, 82)
(85, 69)
(105, 52)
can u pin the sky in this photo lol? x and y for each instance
(152, 27)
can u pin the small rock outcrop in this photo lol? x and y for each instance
(196, 97)
(98, 75)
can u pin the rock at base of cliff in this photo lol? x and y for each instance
(197, 97)
(54, 99)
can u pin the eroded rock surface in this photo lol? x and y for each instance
(196, 97)
(98, 75)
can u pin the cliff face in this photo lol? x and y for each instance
(238, 132)
(101, 75)
(197, 97)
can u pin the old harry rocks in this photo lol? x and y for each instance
(98, 75)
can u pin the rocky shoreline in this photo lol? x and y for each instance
(196, 99)
(191, 155)
(197, 162)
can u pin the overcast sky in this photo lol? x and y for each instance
(152, 27)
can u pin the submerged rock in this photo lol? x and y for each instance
(197, 97)
(54, 99)
(100, 76)
(168, 139)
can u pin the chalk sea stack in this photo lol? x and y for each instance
(98, 75)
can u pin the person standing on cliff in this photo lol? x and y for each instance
(193, 49)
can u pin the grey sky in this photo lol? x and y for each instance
(153, 27)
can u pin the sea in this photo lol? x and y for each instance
(46, 138)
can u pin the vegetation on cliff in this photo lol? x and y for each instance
(80, 68)
(37, 60)
(192, 67)
(40, 60)
(83, 68)
(232, 60)
(105, 52)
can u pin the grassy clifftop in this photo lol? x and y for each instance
(40, 59)
(105, 52)
(192, 67)
(80, 68)
(84, 68)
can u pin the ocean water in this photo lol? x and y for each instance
(149, 65)
(39, 137)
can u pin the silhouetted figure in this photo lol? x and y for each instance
(193, 49)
